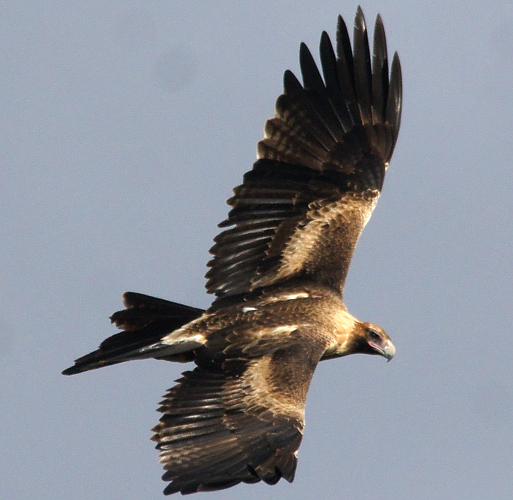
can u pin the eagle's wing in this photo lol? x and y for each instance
(319, 172)
(242, 419)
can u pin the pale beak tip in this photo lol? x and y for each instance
(389, 351)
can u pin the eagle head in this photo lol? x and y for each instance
(372, 339)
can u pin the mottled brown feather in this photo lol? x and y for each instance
(238, 417)
(320, 169)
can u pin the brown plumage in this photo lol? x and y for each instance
(278, 273)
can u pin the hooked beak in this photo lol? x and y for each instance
(387, 350)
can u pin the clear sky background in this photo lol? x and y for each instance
(124, 126)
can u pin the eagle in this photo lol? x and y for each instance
(277, 273)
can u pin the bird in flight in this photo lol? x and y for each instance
(278, 272)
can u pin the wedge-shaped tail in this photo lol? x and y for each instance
(145, 321)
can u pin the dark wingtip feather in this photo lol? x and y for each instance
(380, 41)
(359, 19)
(345, 69)
(379, 72)
(311, 77)
(395, 97)
(328, 61)
(325, 37)
(379, 21)
(290, 83)
(344, 52)
(362, 67)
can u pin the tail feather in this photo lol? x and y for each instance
(142, 309)
(145, 321)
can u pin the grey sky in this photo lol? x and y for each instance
(124, 127)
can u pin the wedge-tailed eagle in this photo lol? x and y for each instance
(278, 272)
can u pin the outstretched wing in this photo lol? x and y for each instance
(241, 421)
(319, 172)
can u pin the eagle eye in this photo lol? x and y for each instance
(373, 335)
